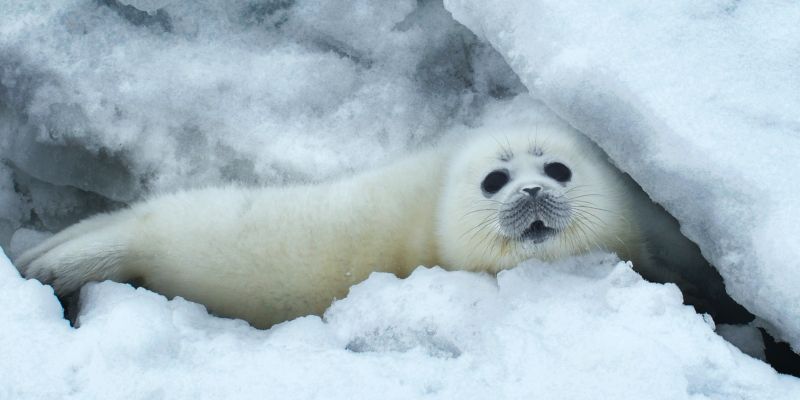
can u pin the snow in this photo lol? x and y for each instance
(583, 328)
(697, 101)
(103, 102)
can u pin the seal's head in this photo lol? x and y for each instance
(545, 193)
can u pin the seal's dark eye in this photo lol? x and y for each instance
(495, 181)
(558, 171)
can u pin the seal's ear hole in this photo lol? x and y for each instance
(495, 181)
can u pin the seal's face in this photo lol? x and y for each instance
(542, 193)
(528, 190)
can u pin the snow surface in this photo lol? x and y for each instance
(585, 328)
(698, 101)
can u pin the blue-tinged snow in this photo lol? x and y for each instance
(698, 101)
(584, 328)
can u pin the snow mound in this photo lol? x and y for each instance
(697, 101)
(583, 328)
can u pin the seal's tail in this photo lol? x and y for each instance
(92, 250)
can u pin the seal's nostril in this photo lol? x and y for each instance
(532, 191)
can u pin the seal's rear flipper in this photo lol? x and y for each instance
(93, 250)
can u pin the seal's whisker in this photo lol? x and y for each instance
(480, 227)
(477, 211)
(585, 229)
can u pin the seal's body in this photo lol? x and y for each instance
(270, 254)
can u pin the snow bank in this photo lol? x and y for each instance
(584, 328)
(697, 101)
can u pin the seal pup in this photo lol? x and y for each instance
(270, 254)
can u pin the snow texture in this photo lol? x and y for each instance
(585, 328)
(697, 101)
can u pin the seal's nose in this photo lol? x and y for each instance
(532, 191)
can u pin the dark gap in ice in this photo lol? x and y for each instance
(158, 19)
(780, 355)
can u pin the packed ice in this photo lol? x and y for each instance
(103, 102)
